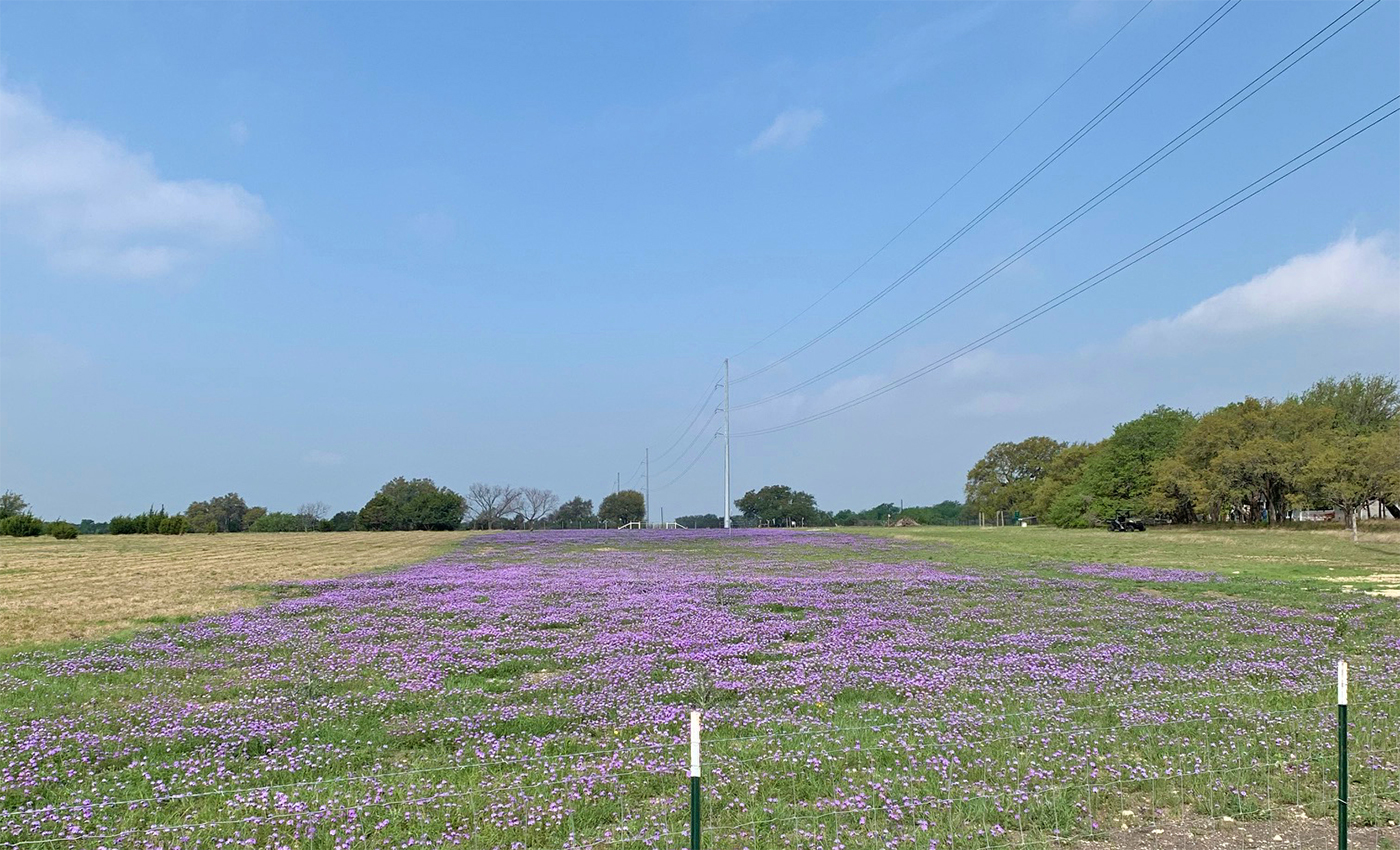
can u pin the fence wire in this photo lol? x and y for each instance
(1250, 766)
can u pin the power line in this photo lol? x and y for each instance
(1157, 67)
(699, 409)
(915, 220)
(1227, 106)
(695, 460)
(693, 440)
(1233, 200)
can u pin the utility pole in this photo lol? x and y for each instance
(617, 488)
(646, 457)
(726, 442)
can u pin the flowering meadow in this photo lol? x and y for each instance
(859, 691)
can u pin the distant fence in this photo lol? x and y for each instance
(1050, 776)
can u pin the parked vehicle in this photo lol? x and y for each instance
(1123, 522)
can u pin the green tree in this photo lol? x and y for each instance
(173, 525)
(417, 504)
(778, 504)
(221, 513)
(1121, 474)
(21, 525)
(1007, 477)
(623, 507)
(1351, 470)
(575, 513)
(1059, 499)
(345, 521)
(1243, 461)
(277, 521)
(12, 504)
(1360, 405)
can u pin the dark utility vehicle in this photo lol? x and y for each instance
(1123, 522)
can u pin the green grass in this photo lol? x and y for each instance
(1286, 554)
(856, 734)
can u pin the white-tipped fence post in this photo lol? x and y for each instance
(695, 780)
(1341, 755)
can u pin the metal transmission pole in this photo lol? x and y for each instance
(726, 442)
(646, 458)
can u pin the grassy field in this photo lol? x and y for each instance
(1321, 555)
(924, 688)
(97, 585)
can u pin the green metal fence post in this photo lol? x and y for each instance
(1341, 755)
(695, 780)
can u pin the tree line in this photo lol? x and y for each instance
(1334, 447)
(781, 505)
(401, 504)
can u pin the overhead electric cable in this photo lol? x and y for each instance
(690, 465)
(1307, 157)
(714, 388)
(693, 440)
(915, 220)
(1251, 88)
(1157, 67)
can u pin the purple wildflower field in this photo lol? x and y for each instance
(533, 689)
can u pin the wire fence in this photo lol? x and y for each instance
(1227, 769)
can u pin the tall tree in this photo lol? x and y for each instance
(221, 513)
(1362, 405)
(778, 503)
(312, 514)
(1060, 499)
(1242, 461)
(575, 513)
(490, 503)
(1006, 478)
(536, 504)
(623, 507)
(1119, 477)
(417, 504)
(1352, 470)
(12, 504)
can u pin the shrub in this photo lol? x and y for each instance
(345, 521)
(173, 525)
(21, 525)
(277, 521)
(126, 525)
(62, 530)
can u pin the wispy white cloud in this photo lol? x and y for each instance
(1349, 282)
(317, 457)
(95, 207)
(789, 130)
(1337, 305)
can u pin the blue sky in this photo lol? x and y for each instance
(294, 250)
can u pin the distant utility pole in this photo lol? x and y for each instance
(726, 442)
(646, 458)
(617, 488)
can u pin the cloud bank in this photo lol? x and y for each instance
(94, 207)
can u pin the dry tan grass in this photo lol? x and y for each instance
(97, 585)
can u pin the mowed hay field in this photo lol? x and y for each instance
(953, 689)
(97, 585)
